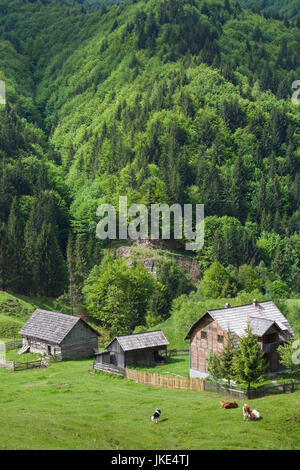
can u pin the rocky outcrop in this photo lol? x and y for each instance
(146, 252)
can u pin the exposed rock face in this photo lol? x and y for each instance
(150, 262)
(191, 266)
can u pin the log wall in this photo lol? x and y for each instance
(79, 348)
(201, 347)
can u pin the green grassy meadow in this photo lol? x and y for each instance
(67, 406)
(176, 365)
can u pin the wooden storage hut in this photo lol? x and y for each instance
(207, 335)
(56, 334)
(142, 348)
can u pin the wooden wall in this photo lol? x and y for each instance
(200, 348)
(80, 342)
(122, 359)
(117, 356)
(140, 357)
(79, 332)
(79, 348)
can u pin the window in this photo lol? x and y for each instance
(203, 335)
(220, 338)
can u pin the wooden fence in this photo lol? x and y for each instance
(15, 344)
(27, 365)
(185, 383)
(224, 389)
(274, 389)
(109, 368)
(259, 392)
(17, 366)
(167, 381)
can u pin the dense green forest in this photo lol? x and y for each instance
(91, 4)
(284, 8)
(175, 101)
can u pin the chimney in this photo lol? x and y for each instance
(227, 305)
(255, 303)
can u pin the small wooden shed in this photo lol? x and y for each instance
(57, 334)
(142, 348)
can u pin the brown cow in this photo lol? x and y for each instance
(228, 404)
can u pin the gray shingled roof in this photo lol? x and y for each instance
(49, 326)
(260, 326)
(142, 340)
(237, 318)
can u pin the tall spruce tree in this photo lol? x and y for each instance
(249, 363)
(15, 249)
(51, 265)
(227, 357)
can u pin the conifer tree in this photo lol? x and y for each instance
(3, 256)
(51, 267)
(227, 357)
(249, 363)
(14, 269)
(213, 366)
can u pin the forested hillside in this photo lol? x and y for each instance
(90, 4)
(176, 101)
(286, 8)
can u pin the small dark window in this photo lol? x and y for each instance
(203, 335)
(220, 339)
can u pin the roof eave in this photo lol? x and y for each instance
(188, 336)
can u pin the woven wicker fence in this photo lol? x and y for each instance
(167, 381)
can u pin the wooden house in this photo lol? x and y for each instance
(56, 334)
(142, 348)
(207, 335)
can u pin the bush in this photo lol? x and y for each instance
(217, 282)
(280, 289)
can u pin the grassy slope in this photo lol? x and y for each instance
(65, 407)
(176, 365)
(16, 309)
(175, 340)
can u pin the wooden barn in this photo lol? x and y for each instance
(207, 335)
(56, 334)
(142, 348)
